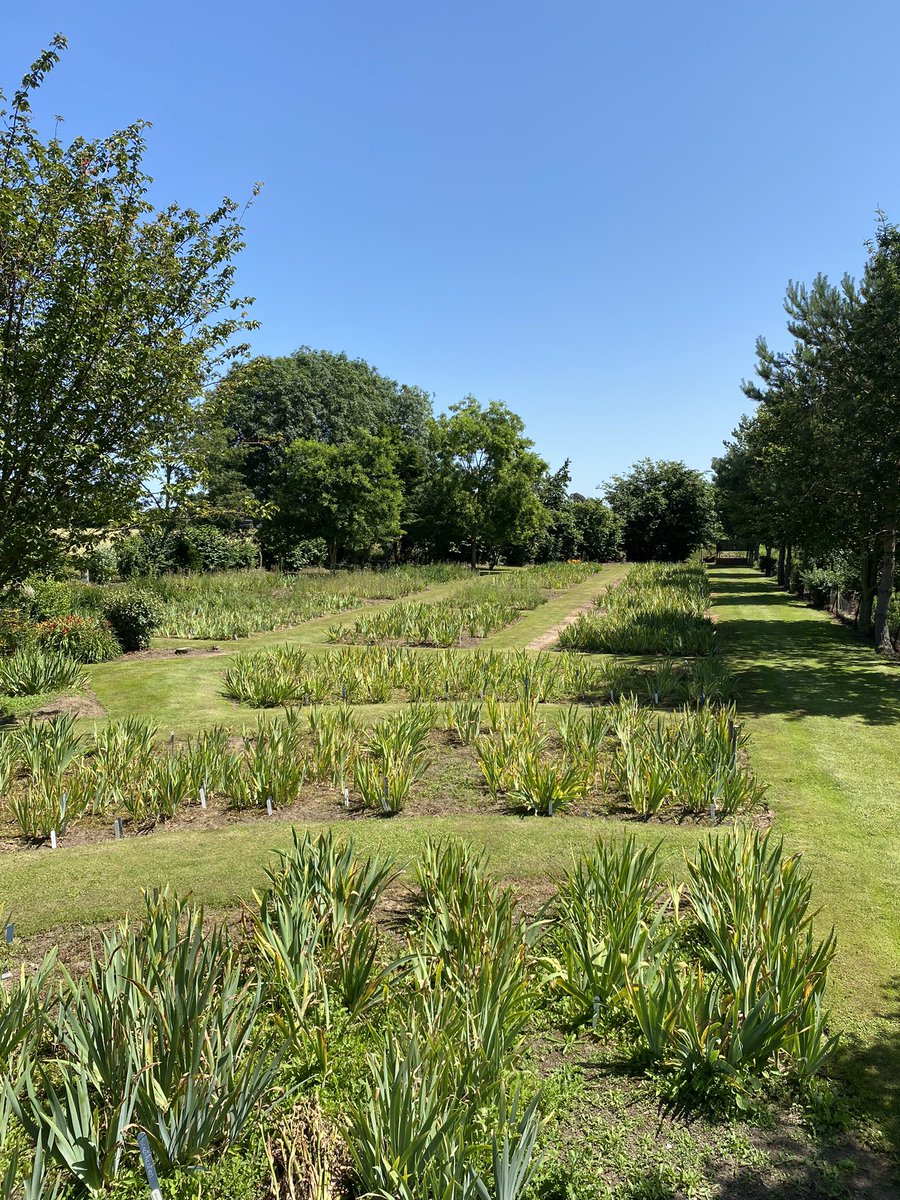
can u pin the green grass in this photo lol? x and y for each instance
(185, 694)
(87, 885)
(823, 713)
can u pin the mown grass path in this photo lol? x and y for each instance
(185, 694)
(824, 714)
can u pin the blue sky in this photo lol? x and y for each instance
(586, 210)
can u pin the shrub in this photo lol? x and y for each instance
(140, 554)
(206, 548)
(84, 639)
(310, 552)
(194, 548)
(47, 598)
(133, 615)
(818, 583)
(100, 562)
(16, 630)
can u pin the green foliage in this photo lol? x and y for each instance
(36, 672)
(267, 404)
(134, 614)
(720, 992)
(347, 493)
(84, 639)
(658, 609)
(45, 598)
(115, 317)
(481, 489)
(100, 562)
(195, 547)
(665, 508)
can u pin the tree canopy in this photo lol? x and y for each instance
(482, 485)
(267, 404)
(666, 510)
(113, 318)
(814, 471)
(346, 493)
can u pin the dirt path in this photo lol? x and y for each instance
(548, 639)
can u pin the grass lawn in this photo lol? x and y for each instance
(823, 712)
(185, 694)
(220, 867)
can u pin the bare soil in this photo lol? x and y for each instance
(79, 704)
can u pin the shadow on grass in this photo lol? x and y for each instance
(871, 1065)
(800, 667)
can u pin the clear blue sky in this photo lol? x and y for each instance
(584, 209)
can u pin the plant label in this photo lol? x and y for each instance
(149, 1166)
(268, 806)
(10, 934)
(119, 828)
(52, 839)
(203, 797)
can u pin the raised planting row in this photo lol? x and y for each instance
(683, 763)
(377, 674)
(236, 604)
(475, 610)
(444, 623)
(310, 1053)
(659, 608)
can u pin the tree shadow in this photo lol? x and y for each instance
(871, 1065)
(801, 668)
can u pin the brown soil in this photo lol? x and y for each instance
(549, 639)
(177, 652)
(81, 704)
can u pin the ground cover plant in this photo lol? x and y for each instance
(93, 622)
(235, 604)
(289, 675)
(403, 1064)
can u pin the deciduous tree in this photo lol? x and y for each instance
(113, 318)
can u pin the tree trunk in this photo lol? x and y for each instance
(780, 572)
(789, 566)
(868, 568)
(474, 554)
(885, 591)
(332, 555)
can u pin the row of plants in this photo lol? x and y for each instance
(287, 675)
(443, 623)
(659, 608)
(92, 623)
(686, 762)
(309, 1053)
(475, 610)
(235, 604)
